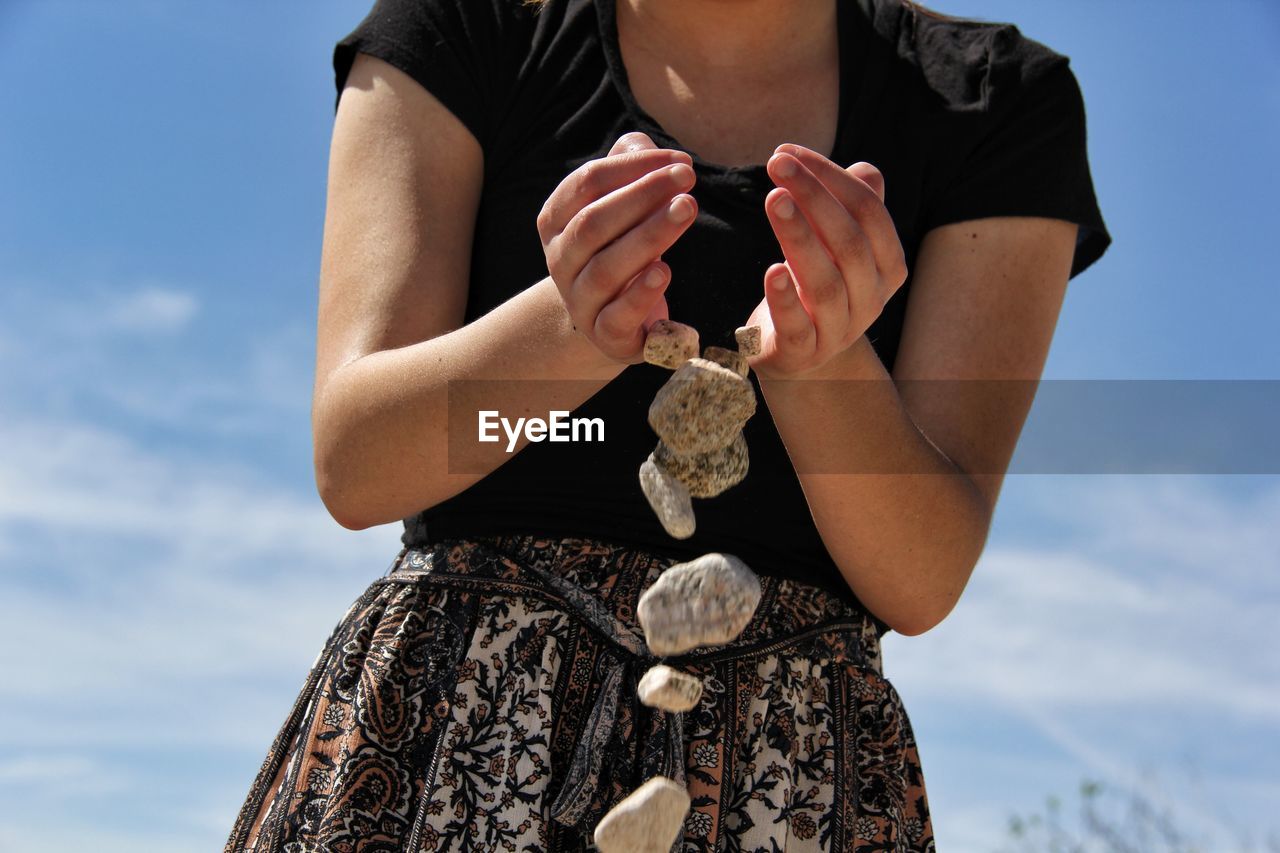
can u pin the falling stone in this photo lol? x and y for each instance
(701, 407)
(669, 689)
(705, 602)
(670, 344)
(735, 361)
(647, 821)
(708, 474)
(669, 499)
(748, 338)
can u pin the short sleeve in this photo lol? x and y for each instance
(1024, 152)
(453, 48)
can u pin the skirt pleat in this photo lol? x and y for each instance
(482, 696)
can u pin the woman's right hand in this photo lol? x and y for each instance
(604, 229)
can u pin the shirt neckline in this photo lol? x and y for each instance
(857, 92)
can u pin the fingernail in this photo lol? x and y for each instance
(785, 207)
(680, 173)
(786, 167)
(654, 278)
(680, 210)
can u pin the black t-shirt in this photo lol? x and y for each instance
(964, 119)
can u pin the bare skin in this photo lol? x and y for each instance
(715, 94)
(984, 304)
(752, 39)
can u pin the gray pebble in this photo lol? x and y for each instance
(701, 407)
(708, 474)
(735, 361)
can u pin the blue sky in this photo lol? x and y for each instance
(168, 574)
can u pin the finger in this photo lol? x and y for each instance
(659, 311)
(839, 232)
(624, 321)
(607, 219)
(634, 141)
(870, 176)
(863, 201)
(795, 336)
(595, 179)
(820, 284)
(598, 281)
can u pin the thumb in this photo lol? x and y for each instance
(631, 142)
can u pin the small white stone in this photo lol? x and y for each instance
(647, 821)
(748, 338)
(707, 601)
(670, 344)
(669, 689)
(669, 498)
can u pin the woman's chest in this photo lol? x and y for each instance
(736, 122)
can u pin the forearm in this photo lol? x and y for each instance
(906, 537)
(382, 426)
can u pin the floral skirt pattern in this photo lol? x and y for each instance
(481, 695)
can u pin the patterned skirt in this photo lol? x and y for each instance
(481, 695)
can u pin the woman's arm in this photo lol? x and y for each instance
(381, 422)
(984, 302)
(404, 183)
(393, 358)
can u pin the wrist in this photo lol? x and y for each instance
(846, 364)
(580, 354)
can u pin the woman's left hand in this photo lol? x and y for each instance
(843, 261)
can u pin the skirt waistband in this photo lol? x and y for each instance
(601, 583)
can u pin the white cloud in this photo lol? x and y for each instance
(1118, 769)
(1120, 616)
(58, 473)
(48, 315)
(160, 586)
(69, 833)
(62, 776)
(25, 769)
(147, 310)
(155, 604)
(1065, 629)
(265, 389)
(141, 352)
(157, 594)
(1224, 527)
